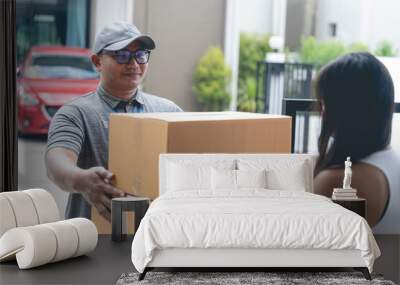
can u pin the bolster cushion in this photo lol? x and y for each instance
(26, 208)
(40, 244)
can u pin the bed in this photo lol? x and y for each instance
(247, 210)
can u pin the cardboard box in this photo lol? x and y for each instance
(136, 140)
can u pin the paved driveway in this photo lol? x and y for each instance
(32, 171)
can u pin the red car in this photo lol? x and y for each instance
(50, 77)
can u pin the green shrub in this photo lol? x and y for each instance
(247, 101)
(358, 47)
(309, 49)
(211, 79)
(253, 48)
(320, 53)
(385, 48)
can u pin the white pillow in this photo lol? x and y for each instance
(223, 179)
(226, 179)
(295, 180)
(293, 174)
(188, 177)
(251, 178)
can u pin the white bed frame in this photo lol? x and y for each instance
(234, 257)
(250, 258)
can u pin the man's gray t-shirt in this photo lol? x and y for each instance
(82, 126)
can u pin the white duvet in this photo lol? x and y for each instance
(250, 219)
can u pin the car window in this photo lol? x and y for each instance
(60, 66)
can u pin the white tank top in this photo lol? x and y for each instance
(388, 161)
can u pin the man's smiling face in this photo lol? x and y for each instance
(119, 76)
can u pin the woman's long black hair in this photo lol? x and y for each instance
(357, 97)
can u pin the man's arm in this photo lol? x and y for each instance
(65, 139)
(61, 167)
(93, 183)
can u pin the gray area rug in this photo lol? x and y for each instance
(225, 278)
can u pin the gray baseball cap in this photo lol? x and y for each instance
(118, 35)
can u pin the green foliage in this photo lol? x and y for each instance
(320, 53)
(308, 50)
(358, 47)
(253, 48)
(385, 48)
(247, 101)
(211, 79)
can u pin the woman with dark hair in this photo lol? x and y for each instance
(356, 95)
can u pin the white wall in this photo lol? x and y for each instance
(346, 14)
(262, 16)
(368, 21)
(383, 18)
(393, 66)
(231, 46)
(255, 16)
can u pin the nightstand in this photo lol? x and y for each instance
(358, 205)
(139, 205)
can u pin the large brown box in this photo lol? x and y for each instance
(136, 141)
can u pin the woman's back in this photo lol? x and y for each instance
(377, 179)
(388, 161)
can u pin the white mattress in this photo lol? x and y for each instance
(257, 219)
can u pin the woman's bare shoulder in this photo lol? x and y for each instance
(364, 175)
(370, 182)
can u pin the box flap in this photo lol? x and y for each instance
(200, 116)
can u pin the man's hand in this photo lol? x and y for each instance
(94, 184)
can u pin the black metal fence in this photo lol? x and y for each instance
(276, 81)
(292, 107)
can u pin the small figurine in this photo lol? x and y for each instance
(347, 174)
(347, 192)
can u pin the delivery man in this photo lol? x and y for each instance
(77, 147)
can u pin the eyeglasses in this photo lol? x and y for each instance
(125, 56)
